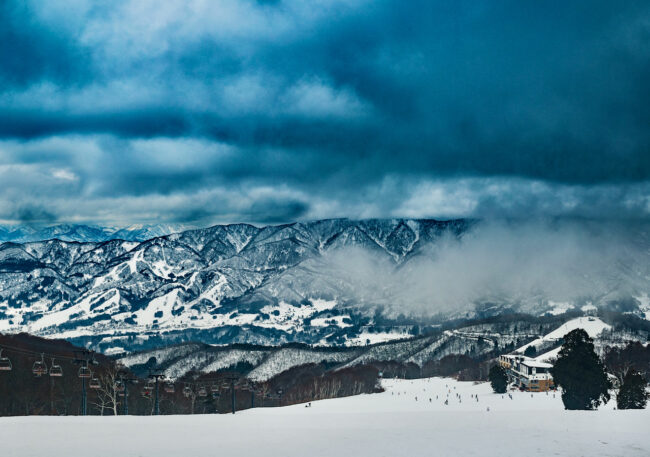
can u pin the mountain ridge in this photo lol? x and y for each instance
(316, 282)
(86, 233)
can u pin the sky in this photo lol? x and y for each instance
(200, 112)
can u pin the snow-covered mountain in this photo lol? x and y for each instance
(322, 282)
(85, 233)
(416, 355)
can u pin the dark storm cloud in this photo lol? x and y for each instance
(34, 215)
(287, 109)
(31, 52)
(272, 210)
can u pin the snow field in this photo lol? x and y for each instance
(385, 424)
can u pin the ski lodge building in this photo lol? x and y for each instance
(527, 373)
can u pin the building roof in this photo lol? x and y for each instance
(534, 363)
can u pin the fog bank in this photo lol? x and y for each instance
(532, 266)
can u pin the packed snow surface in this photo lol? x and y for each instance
(592, 325)
(409, 419)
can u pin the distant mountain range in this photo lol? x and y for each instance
(311, 282)
(85, 233)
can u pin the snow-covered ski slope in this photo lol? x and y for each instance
(392, 423)
(592, 325)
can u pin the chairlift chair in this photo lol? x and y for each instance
(169, 387)
(94, 383)
(56, 370)
(214, 389)
(148, 389)
(84, 371)
(203, 392)
(5, 363)
(187, 391)
(39, 368)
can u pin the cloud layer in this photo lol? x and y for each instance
(268, 111)
(530, 266)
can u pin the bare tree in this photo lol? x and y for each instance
(107, 394)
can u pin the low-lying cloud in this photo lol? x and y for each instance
(532, 267)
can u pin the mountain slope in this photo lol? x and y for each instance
(417, 355)
(332, 282)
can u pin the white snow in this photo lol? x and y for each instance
(161, 305)
(366, 337)
(385, 424)
(284, 359)
(589, 308)
(336, 321)
(644, 301)
(592, 325)
(559, 308)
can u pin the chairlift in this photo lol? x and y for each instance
(94, 383)
(84, 371)
(148, 389)
(5, 363)
(169, 387)
(203, 392)
(39, 368)
(214, 389)
(119, 386)
(187, 391)
(56, 370)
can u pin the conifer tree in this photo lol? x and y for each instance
(530, 351)
(632, 393)
(498, 379)
(580, 373)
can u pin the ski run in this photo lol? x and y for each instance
(423, 417)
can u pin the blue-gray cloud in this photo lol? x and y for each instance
(286, 109)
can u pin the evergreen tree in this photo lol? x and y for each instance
(580, 373)
(530, 351)
(498, 379)
(632, 393)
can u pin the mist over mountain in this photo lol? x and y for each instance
(526, 265)
(329, 282)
